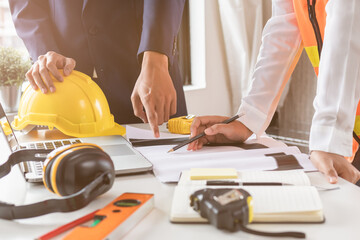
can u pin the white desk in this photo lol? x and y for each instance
(341, 209)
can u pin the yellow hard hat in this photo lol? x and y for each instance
(77, 108)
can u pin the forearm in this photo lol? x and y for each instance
(33, 25)
(280, 50)
(154, 59)
(338, 89)
(161, 23)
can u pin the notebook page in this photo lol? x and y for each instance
(284, 203)
(181, 211)
(284, 199)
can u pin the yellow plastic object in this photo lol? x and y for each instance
(213, 173)
(180, 125)
(6, 128)
(249, 201)
(77, 108)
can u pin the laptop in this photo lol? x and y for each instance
(126, 159)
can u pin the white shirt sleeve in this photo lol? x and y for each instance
(280, 50)
(338, 88)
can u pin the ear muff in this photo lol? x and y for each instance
(79, 172)
(78, 169)
(69, 169)
(56, 161)
(46, 174)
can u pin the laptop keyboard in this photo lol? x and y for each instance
(37, 167)
(51, 145)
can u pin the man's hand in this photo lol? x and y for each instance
(39, 76)
(217, 132)
(334, 165)
(154, 91)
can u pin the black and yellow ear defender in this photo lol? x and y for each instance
(78, 172)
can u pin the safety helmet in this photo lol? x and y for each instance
(77, 108)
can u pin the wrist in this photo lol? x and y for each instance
(154, 59)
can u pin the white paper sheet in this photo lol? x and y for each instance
(167, 167)
(139, 133)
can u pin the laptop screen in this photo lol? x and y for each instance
(8, 139)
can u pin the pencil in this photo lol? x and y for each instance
(190, 140)
(67, 226)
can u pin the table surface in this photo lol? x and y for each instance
(341, 210)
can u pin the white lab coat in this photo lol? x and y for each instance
(338, 84)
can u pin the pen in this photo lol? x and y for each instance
(234, 183)
(190, 140)
(67, 226)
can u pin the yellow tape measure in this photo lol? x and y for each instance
(180, 125)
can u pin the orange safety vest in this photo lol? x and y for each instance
(311, 18)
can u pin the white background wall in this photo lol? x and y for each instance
(209, 93)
